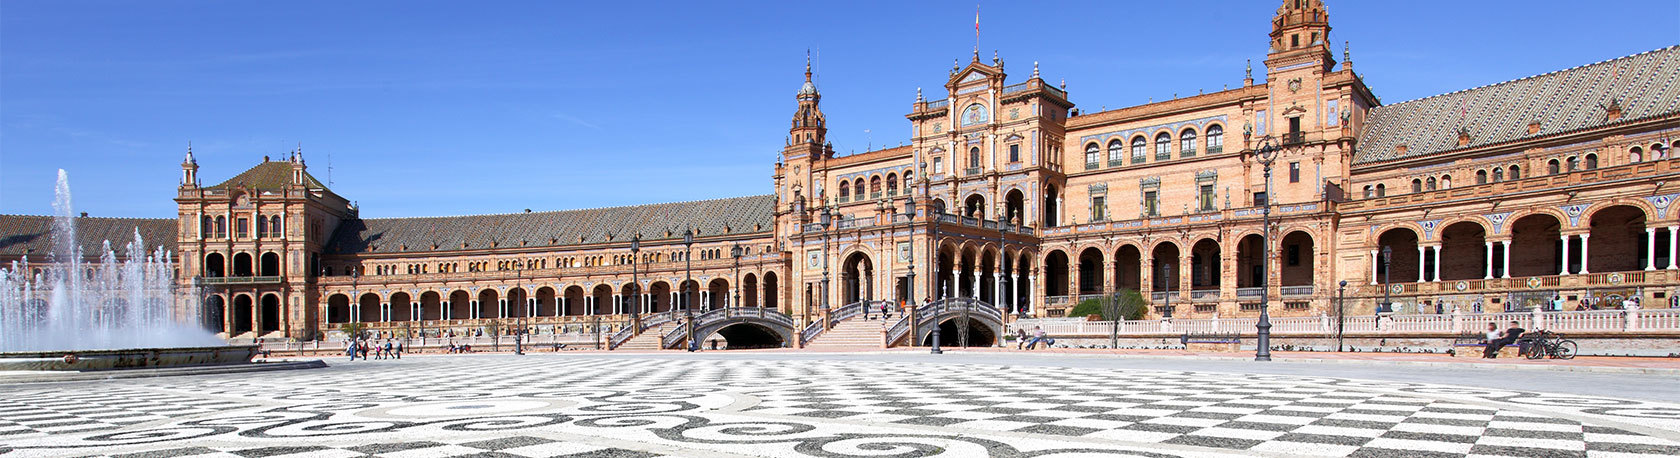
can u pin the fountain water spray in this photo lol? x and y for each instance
(65, 304)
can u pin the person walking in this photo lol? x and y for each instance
(350, 348)
(886, 310)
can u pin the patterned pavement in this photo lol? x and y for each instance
(590, 406)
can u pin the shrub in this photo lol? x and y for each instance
(1126, 304)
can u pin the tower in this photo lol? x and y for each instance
(807, 145)
(189, 170)
(809, 125)
(1300, 27)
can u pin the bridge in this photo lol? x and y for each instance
(981, 323)
(740, 327)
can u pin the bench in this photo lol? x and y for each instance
(1211, 342)
(1472, 346)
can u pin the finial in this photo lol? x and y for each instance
(807, 64)
(1064, 84)
(1248, 68)
(190, 159)
(1035, 69)
(1347, 58)
(918, 94)
(995, 59)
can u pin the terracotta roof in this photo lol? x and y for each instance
(741, 215)
(32, 234)
(268, 175)
(1644, 86)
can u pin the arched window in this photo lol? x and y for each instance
(1592, 161)
(1417, 185)
(892, 184)
(1636, 155)
(262, 226)
(1116, 152)
(1552, 167)
(221, 226)
(1215, 139)
(1574, 163)
(1091, 156)
(1446, 181)
(274, 226)
(857, 188)
(1163, 146)
(1481, 176)
(1368, 191)
(1138, 145)
(1498, 175)
(874, 186)
(1381, 190)
(1516, 173)
(974, 157)
(845, 190)
(1187, 143)
(207, 227)
(1429, 184)
(1659, 151)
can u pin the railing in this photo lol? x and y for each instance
(1017, 87)
(1298, 290)
(648, 320)
(845, 312)
(1056, 300)
(677, 335)
(1292, 138)
(1091, 165)
(238, 280)
(1662, 321)
(1204, 295)
(1158, 296)
(1215, 149)
(927, 313)
(971, 171)
(937, 104)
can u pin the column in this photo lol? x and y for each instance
(674, 302)
(615, 304)
(707, 305)
(445, 312)
(1032, 290)
(1650, 248)
(384, 312)
(1422, 255)
(200, 222)
(1015, 305)
(1563, 270)
(1376, 264)
(1584, 248)
(560, 303)
(501, 307)
(974, 287)
(1505, 252)
(1672, 230)
(531, 307)
(589, 305)
(1489, 263)
(1437, 263)
(477, 310)
(282, 225)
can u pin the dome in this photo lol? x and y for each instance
(808, 89)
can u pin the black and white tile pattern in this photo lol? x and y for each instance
(542, 406)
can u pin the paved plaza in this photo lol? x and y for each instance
(882, 405)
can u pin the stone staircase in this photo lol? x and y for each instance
(649, 339)
(855, 333)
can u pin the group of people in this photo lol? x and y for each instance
(1038, 337)
(360, 347)
(1497, 339)
(886, 310)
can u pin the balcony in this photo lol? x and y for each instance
(1306, 290)
(1204, 295)
(1114, 163)
(971, 171)
(1092, 165)
(1215, 149)
(239, 280)
(1294, 138)
(1248, 292)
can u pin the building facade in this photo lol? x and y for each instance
(1292, 191)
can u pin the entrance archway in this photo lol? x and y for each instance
(1164, 257)
(1014, 207)
(368, 308)
(215, 315)
(749, 291)
(460, 305)
(241, 314)
(857, 278)
(214, 265)
(270, 264)
(270, 313)
(1403, 266)
(950, 334)
(431, 306)
(1056, 273)
(743, 336)
(1204, 265)
(1297, 259)
(1535, 245)
(1618, 240)
(400, 307)
(338, 308)
(974, 206)
(242, 265)
(1463, 251)
(1128, 268)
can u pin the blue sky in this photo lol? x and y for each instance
(444, 108)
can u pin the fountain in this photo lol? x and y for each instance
(67, 315)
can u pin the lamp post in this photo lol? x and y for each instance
(1263, 342)
(1387, 255)
(1166, 270)
(910, 244)
(688, 277)
(1341, 302)
(636, 282)
(735, 252)
(826, 219)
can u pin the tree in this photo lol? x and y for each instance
(353, 330)
(1126, 305)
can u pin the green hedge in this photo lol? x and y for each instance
(1126, 304)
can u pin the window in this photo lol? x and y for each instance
(262, 227)
(1636, 154)
(275, 228)
(1516, 173)
(892, 184)
(1151, 204)
(1382, 191)
(1429, 184)
(1187, 143)
(1215, 139)
(207, 227)
(845, 190)
(938, 165)
(1446, 181)
(1574, 163)
(1205, 199)
(1138, 145)
(1592, 161)
(974, 157)
(858, 188)
(1481, 176)
(1015, 153)
(1260, 199)
(1099, 209)
(1552, 167)
(1091, 156)
(1498, 175)
(221, 226)
(875, 187)
(1368, 191)
(1295, 172)
(242, 228)
(1116, 152)
(1417, 185)
(1163, 147)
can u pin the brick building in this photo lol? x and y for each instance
(1493, 197)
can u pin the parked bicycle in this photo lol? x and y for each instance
(1549, 344)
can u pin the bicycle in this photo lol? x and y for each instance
(1553, 345)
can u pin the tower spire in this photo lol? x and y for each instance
(1347, 59)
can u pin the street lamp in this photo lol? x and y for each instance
(1387, 255)
(1166, 270)
(1341, 302)
(1263, 343)
(910, 245)
(688, 277)
(826, 219)
(735, 252)
(636, 281)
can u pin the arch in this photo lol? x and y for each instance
(215, 313)
(845, 190)
(1128, 267)
(749, 290)
(1187, 142)
(548, 303)
(1552, 167)
(950, 334)
(1417, 185)
(1463, 251)
(367, 308)
(242, 265)
(857, 188)
(1446, 181)
(771, 293)
(1482, 176)
(1163, 145)
(628, 297)
(1215, 139)
(242, 314)
(1635, 154)
(1382, 190)
(717, 293)
(518, 303)
(1591, 161)
(1536, 245)
(1164, 264)
(1116, 151)
(460, 305)
(1014, 208)
(659, 293)
(215, 265)
(1140, 147)
(1429, 184)
(1249, 260)
(1297, 258)
(1498, 175)
(1049, 213)
(338, 308)
(488, 303)
(1618, 239)
(270, 265)
(938, 206)
(743, 336)
(892, 184)
(602, 294)
(400, 307)
(1090, 271)
(1403, 264)
(1516, 172)
(431, 306)
(1056, 273)
(974, 206)
(574, 300)
(874, 186)
(1092, 155)
(1205, 260)
(1572, 163)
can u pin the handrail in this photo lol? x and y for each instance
(845, 312)
(722, 314)
(630, 332)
